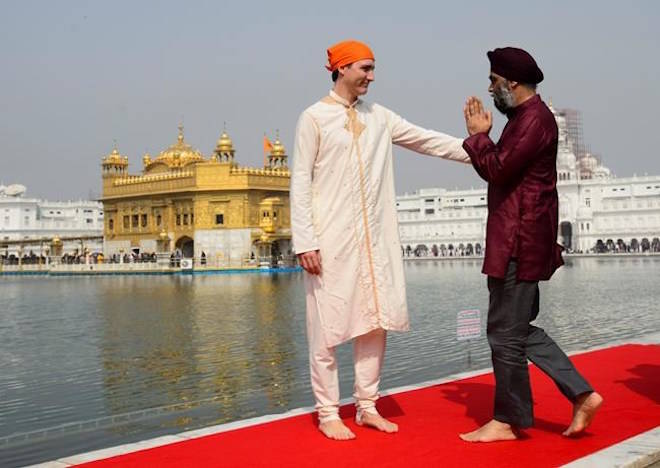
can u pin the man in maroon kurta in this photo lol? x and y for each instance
(521, 247)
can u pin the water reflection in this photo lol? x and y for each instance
(191, 341)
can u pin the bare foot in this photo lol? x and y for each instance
(492, 431)
(584, 410)
(376, 421)
(336, 429)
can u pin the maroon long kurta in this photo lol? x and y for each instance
(521, 171)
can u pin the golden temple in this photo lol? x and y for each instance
(211, 209)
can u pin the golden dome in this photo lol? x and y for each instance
(146, 159)
(224, 144)
(115, 158)
(179, 154)
(278, 148)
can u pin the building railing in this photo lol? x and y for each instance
(108, 267)
(149, 262)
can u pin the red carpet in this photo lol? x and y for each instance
(430, 419)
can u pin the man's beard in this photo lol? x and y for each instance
(503, 99)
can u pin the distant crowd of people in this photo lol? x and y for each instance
(609, 246)
(27, 259)
(442, 251)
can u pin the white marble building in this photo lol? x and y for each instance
(31, 219)
(597, 211)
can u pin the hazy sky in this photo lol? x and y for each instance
(76, 75)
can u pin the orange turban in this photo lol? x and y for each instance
(347, 52)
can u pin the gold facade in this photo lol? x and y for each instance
(182, 199)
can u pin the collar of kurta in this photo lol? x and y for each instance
(521, 107)
(342, 101)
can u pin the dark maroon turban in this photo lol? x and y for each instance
(515, 64)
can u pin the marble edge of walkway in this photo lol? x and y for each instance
(637, 452)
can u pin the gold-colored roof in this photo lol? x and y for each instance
(271, 201)
(224, 144)
(278, 148)
(115, 158)
(179, 154)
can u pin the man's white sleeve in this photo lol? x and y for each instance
(305, 149)
(425, 141)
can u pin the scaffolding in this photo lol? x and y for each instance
(574, 129)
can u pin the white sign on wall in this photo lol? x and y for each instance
(468, 325)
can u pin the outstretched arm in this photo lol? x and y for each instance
(425, 141)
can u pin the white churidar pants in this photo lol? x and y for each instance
(368, 355)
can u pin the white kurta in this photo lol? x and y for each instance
(343, 204)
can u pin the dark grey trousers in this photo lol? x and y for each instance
(513, 340)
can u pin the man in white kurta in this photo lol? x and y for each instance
(345, 231)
